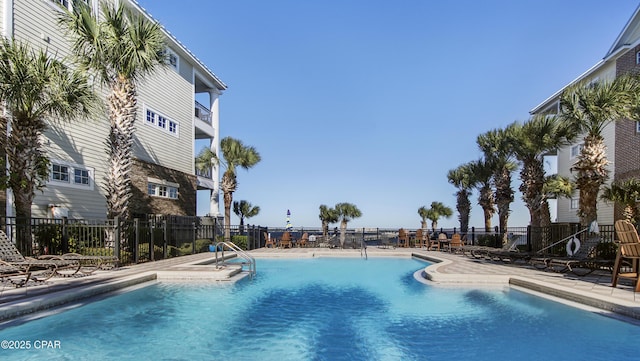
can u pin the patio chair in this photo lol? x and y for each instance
(403, 238)
(285, 241)
(302, 242)
(628, 249)
(268, 241)
(16, 276)
(455, 245)
(88, 263)
(490, 253)
(40, 269)
(421, 238)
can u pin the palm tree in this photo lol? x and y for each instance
(346, 212)
(35, 89)
(531, 141)
(555, 186)
(589, 108)
(497, 149)
(483, 171)
(438, 210)
(626, 193)
(235, 154)
(423, 212)
(121, 48)
(244, 209)
(462, 179)
(327, 216)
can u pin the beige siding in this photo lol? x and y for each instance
(172, 96)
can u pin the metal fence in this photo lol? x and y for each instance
(160, 237)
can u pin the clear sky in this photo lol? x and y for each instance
(372, 102)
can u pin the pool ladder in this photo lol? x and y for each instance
(363, 250)
(247, 259)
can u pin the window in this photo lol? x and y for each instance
(151, 117)
(173, 127)
(575, 203)
(638, 57)
(163, 123)
(575, 150)
(69, 3)
(637, 126)
(60, 173)
(164, 191)
(71, 175)
(81, 176)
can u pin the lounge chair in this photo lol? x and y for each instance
(403, 238)
(628, 249)
(15, 275)
(88, 264)
(40, 269)
(285, 241)
(581, 263)
(491, 253)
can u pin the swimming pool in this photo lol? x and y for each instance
(325, 309)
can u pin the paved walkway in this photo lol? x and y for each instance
(448, 269)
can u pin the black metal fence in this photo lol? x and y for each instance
(160, 237)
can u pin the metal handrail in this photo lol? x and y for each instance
(239, 252)
(564, 239)
(363, 248)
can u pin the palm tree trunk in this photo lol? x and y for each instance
(343, 233)
(228, 199)
(464, 206)
(122, 105)
(592, 173)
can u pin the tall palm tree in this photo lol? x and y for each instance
(497, 149)
(36, 89)
(483, 171)
(531, 141)
(235, 154)
(462, 179)
(437, 211)
(626, 193)
(244, 209)
(120, 47)
(589, 108)
(327, 216)
(346, 212)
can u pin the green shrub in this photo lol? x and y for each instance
(240, 241)
(606, 250)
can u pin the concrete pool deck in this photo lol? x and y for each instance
(447, 270)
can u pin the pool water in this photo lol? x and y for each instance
(326, 309)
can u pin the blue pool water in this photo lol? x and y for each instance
(325, 309)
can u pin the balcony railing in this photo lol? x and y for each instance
(203, 113)
(204, 173)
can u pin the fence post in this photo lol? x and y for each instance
(65, 237)
(152, 226)
(529, 247)
(116, 236)
(165, 236)
(193, 248)
(473, 235)
(136, 249)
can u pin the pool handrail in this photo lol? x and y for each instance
(250, 261)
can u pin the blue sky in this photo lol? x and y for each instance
(372, 102)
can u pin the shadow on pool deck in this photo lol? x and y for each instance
(447, 269)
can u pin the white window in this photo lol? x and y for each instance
(164, 191)
(60, 173)
(637, 126)
(161, 122)
(575, 150)
(71, 175)
(69, 3)
(638, 57)
(575, 203)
